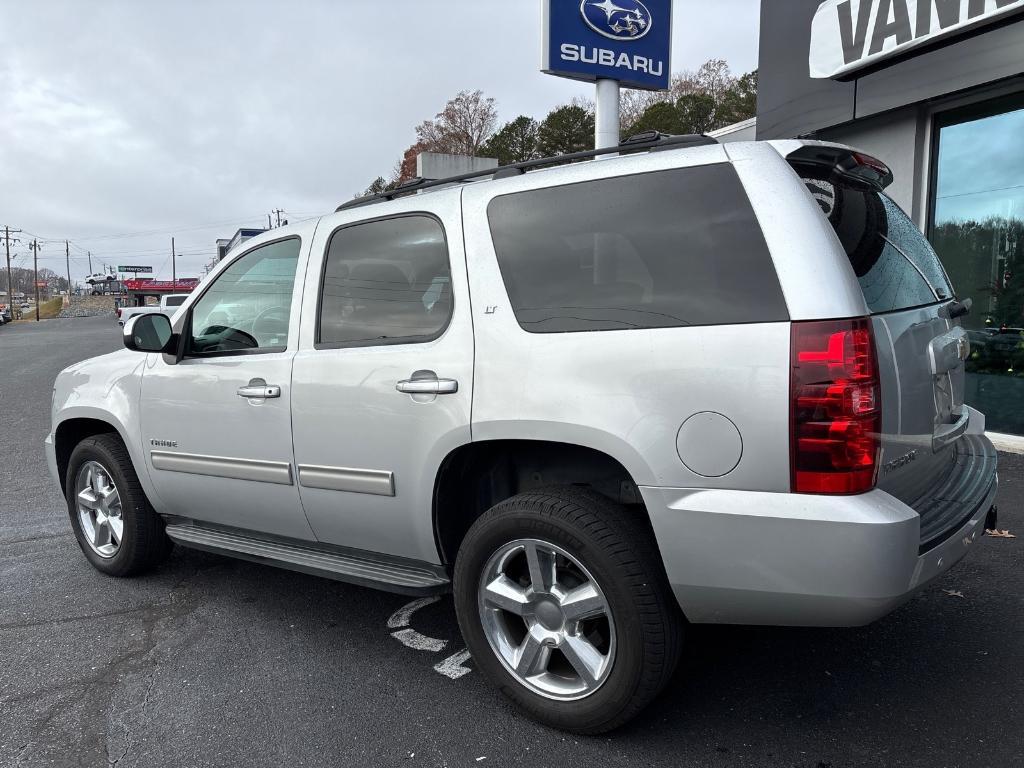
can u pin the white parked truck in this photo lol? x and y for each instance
(168, 306)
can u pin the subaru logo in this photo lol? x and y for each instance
(624, 20)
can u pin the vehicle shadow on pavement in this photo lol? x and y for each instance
(926, 685)
(766, 691)
(206, 641)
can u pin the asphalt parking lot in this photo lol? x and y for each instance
(217, 662)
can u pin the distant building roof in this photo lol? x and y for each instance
(225, 246)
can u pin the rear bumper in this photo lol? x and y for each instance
(745, 557)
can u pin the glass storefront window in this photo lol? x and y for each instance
(977, 228)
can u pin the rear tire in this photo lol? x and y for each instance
(118, 530)
(589, 544)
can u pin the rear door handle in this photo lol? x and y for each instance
(258, 389)
(428, 386)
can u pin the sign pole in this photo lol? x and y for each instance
(606, 118)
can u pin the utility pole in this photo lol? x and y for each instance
(270, 225)
(10, 283)
(90, 262)
(174, 264)
(35, 272)
(278, 212)
(67, 263)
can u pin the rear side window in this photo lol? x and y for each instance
(386, 282)
(656, 250)
(175, 301)
(893, 261)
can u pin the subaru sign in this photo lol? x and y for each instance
(625, 40)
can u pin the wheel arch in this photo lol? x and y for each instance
(475, 476)
(74, 429)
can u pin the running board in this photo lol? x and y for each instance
(366, 569)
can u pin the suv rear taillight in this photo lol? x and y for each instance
(835, 408)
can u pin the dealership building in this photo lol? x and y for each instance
(935, 88)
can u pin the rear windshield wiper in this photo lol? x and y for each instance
(938, 294)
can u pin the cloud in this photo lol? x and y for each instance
(121, 116)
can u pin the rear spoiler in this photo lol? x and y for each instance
(837, 163)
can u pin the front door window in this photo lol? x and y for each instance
(248, 307)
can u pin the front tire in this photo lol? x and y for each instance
(564, 605)
(118, 530)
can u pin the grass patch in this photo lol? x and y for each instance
(47, 310)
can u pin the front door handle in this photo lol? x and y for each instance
(258, 389)
(428, 386)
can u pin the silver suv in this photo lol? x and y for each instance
(692, 383)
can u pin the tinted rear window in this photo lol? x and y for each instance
(175, 301)
(656, 250)
(894, 263)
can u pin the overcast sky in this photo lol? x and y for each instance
(123, 122)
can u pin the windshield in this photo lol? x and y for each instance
(896, 266)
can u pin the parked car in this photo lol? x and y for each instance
(99, 278)
(593, 401)
(168, 306)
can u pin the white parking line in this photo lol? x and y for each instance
(413, 639)
(410, 638)
(403, 615)
(452, 666)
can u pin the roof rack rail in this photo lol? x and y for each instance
(647, 140)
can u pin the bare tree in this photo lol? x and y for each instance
(587, 105)
(462, 127)
(634, 103)
(714, 78)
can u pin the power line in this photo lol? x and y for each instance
(168, 230)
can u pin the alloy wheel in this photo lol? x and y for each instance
(547, 619)
(99, 509)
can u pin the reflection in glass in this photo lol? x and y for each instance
(977, 229)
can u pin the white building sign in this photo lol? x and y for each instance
(847, 35)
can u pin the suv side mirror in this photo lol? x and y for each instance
(148, 333)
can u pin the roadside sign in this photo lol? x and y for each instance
(626, 40)
(135, 269)
(41, 283)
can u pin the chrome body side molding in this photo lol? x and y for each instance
(369, 569)
(278, 472)
(373, 481)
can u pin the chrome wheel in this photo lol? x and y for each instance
(547, 619)
(99, 509)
